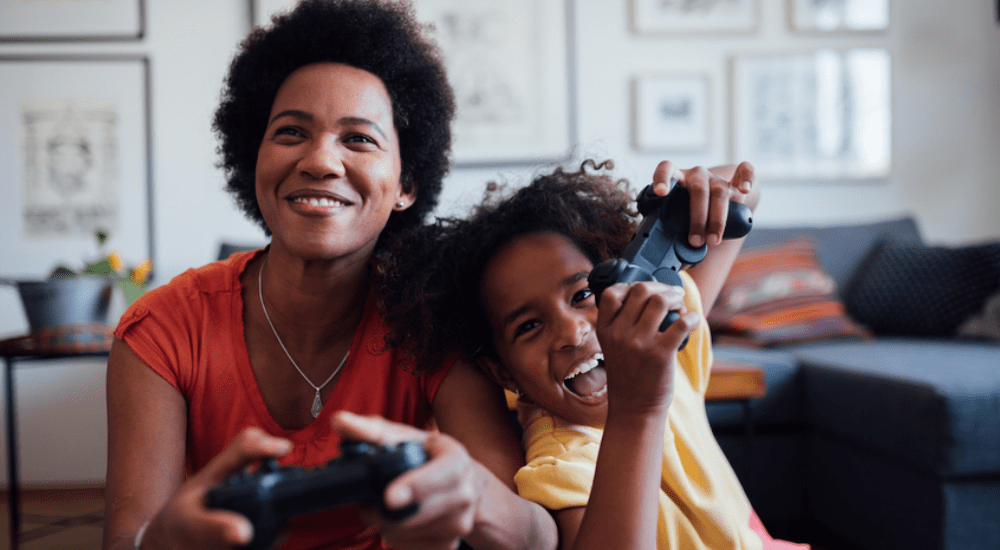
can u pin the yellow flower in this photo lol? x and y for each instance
(116, 262)
(141, 271)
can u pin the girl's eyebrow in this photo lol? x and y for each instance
(347, 120)
(568, 281)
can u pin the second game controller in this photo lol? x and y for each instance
(273, 494)
(659, 249)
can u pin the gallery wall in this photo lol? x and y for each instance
(945, 81)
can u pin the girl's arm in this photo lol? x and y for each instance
(147, 427)
(623, 507)
(711, 190)
(466, 490)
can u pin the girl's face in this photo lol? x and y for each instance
(543, 315)
(328, 168)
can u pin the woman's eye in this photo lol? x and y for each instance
(288, 131)
(525, 327)
(359, 138)
(581, 296)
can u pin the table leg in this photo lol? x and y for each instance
(748, 420)
(12, 474)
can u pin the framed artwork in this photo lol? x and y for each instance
(64, 20)
(509, 65)
(262, 10)
(817, 115)
(839, 15)
(671, 113)
(683, 16)
(75, 160)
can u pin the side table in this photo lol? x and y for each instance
(26, 349)
(740, 383)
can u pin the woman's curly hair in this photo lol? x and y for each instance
(382, 37)
(432, 303)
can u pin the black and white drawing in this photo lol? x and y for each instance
(63, 20)
(71, 167)
(507, 62)
(673, 16)
(671, 113)
(839, 15)
(824, 114)
(75, 161)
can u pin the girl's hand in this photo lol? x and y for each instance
(447, 488)
(185, 522)
(710, 195)
(638, 358)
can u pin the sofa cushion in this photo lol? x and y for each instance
(777, 294)
(840, 248)
(933, 404)
(917, 290)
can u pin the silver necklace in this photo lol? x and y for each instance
(317, 405)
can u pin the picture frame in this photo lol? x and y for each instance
(671, 112)
(78, 160)
(703, 16)
(71, 20)
(262, 10)
(510, 66)
(823, 114)
(838, 15)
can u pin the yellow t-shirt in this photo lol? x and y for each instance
(702, 504)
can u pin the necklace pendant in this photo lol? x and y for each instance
(317, 405)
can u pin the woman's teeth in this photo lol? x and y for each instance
(323, 201)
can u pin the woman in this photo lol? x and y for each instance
(335, 133)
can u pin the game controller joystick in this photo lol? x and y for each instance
(659, 249)
(273, 494)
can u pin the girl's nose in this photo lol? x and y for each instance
(572, 330)
(323, 159)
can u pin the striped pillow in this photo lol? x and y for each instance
(779, 294)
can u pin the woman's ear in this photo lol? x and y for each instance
(498, 373)
(407, 193)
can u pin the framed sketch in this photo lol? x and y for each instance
(262, 10)
(75, 160)
(823, 114)
(839, 15)
(64, 20)
(683, 16)
(509, 65)
(671, 113)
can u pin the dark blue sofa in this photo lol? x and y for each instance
(887, 442)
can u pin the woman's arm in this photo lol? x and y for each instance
(465, 491)
(147, 429)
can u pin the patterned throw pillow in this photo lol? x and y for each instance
(917, 290)
(780, 294)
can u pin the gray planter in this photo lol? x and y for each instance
(81, 300)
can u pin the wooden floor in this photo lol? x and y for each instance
(56, 519)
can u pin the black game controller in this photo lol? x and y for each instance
(659, 249)
(272, 495)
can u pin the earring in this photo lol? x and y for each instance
(400, 204)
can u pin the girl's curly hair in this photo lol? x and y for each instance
(382, 37)
(431, 301)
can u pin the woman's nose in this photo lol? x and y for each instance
(323, 159)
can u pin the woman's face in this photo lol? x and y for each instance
(543, 314)
(328, 168)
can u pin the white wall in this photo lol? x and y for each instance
(946, 124)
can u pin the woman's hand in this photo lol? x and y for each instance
(639, 359)
(447, 488)
(185, 522)
(710, 192)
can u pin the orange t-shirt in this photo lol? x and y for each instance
(190, 332)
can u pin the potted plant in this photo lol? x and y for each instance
(71, 307)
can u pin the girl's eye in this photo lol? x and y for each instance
(581, 296)
(525, 327)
